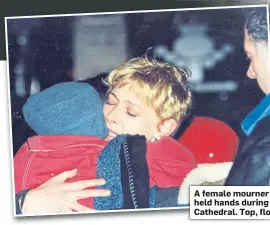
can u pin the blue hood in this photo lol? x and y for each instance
(66, 108)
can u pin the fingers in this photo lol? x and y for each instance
(80, 185)
(81, 208)
(60, 178)
(64, 175)
(92, 193)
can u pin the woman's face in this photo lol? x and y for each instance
(125, 113)
(259, 62)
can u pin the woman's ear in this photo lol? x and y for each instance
(168, 127)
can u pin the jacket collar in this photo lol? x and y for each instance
(57, 142)
(261, 111)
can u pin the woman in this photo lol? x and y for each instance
(145, 97)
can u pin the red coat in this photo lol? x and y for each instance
(42, 157)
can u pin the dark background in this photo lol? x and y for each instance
(54, 62)
(52, 7)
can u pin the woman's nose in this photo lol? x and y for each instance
(113, 115)
(250, 72)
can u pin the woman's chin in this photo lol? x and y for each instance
(110, 136)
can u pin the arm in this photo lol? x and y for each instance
(56, 196)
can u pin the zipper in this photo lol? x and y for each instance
(130, 174)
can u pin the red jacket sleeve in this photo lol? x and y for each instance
(19, 164)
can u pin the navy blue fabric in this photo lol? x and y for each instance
(251, 166)
(166, 197)
(135, 173)
(19, 200)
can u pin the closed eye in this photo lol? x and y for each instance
(111, 99)
(110, 102)
(130, 114)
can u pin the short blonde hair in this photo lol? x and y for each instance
(160, 85)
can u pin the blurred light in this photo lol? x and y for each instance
(214, 86)
(180, 63)
(194, 41)
(227, 48)
(21, 40)
(160, 50)
(35, 86)
(18, 69)
(170, 57)
(209, 63)
(20, 85)
(219, 55)
(195, 49)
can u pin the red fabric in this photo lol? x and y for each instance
(169, 162)
(210, 140)
(42, 157)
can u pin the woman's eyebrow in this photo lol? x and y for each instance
(133, 104)
(129, 102)
(114, 95)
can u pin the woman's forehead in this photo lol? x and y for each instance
(126, 91)
(132, 93)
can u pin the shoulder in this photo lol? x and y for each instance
(259, 139)
(251, 165)
(256, 147)
(263, 127)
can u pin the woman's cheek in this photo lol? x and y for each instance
(105, 110)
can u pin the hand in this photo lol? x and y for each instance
(55, 196)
